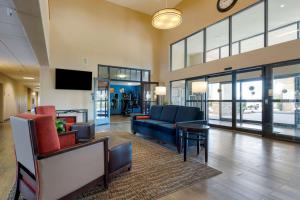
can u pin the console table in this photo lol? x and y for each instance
(201, 132)
(84, 113)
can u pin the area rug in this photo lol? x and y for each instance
(156, 172)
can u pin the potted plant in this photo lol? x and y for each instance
(60, 126)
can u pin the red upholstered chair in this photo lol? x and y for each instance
(50, 110)
(50, 168)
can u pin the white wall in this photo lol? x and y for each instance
(14, 97)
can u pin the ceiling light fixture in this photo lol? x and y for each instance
(167, 18)
(282, 6)
(28, 78)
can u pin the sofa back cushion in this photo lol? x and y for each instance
(168, 113)
(155, 112)
(45, 130)
(185, 113)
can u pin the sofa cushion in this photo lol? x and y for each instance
(46, 134)
(188, 114)
(168, 128)
(168, 113)
(155, 112)
(147, 123)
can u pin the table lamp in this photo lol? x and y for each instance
(160, 91)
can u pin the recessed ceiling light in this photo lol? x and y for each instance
(28, 78)
(282, 6)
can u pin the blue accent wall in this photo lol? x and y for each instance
(136, 90)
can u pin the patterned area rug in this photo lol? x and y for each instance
(156, 172)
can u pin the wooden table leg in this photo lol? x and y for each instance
(184, 145)
(206, 148)
(198, 144)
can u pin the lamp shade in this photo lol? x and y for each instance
(199, 87)
(161, 90)
(167, 18)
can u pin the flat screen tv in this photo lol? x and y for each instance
(73, 80)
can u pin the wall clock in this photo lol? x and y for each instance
(225, 5)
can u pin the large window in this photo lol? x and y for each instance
(195, 49)
(217, 41)
(248, 30)
(178, 93)
(121, 73)
(284, 17)
(247, 33)
(178, 54)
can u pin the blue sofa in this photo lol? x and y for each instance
(161, 124)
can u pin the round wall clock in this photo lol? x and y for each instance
(225, 5)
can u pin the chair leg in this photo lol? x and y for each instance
(17, 192)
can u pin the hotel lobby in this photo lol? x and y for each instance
(150, 99)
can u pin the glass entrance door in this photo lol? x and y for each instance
(249, 99)
(285, 101)
(148, 96)
(101, 102)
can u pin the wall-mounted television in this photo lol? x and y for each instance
(73, 79)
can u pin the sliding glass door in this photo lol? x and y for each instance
(220, 100)
(249, 97)
(286, 104)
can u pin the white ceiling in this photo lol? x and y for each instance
(17, 58)
(146, 6)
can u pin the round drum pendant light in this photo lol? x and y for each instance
(167, 18)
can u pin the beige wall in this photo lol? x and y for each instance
(198, 14)
(84, 34)
(14, 97)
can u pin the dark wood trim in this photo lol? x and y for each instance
(78, 146)
(106, 174)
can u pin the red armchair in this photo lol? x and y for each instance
(50, 110)
(49, 169)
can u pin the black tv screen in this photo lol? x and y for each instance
(73, 80)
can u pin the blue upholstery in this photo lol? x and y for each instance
(168, 113)
(155, 112)
(188, 114)
(161, 124)
(167, 128)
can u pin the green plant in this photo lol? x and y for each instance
(60, 126)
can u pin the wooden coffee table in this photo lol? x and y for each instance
(201, 132)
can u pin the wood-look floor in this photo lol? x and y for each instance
(253, 167)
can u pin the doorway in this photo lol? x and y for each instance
(122, 92)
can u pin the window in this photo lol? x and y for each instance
(178, 93)
(195, 49)
(217, 41)
(103, 72)
(284, 17)
(178, 52)
(146, 75)
(194, 99)
(248, 30)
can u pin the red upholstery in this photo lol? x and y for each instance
(142, 117)
(68, 119)
(46, 134)
(67, 140)
(46, 110)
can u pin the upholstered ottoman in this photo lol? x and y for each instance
(120, 155)
(86, 131)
